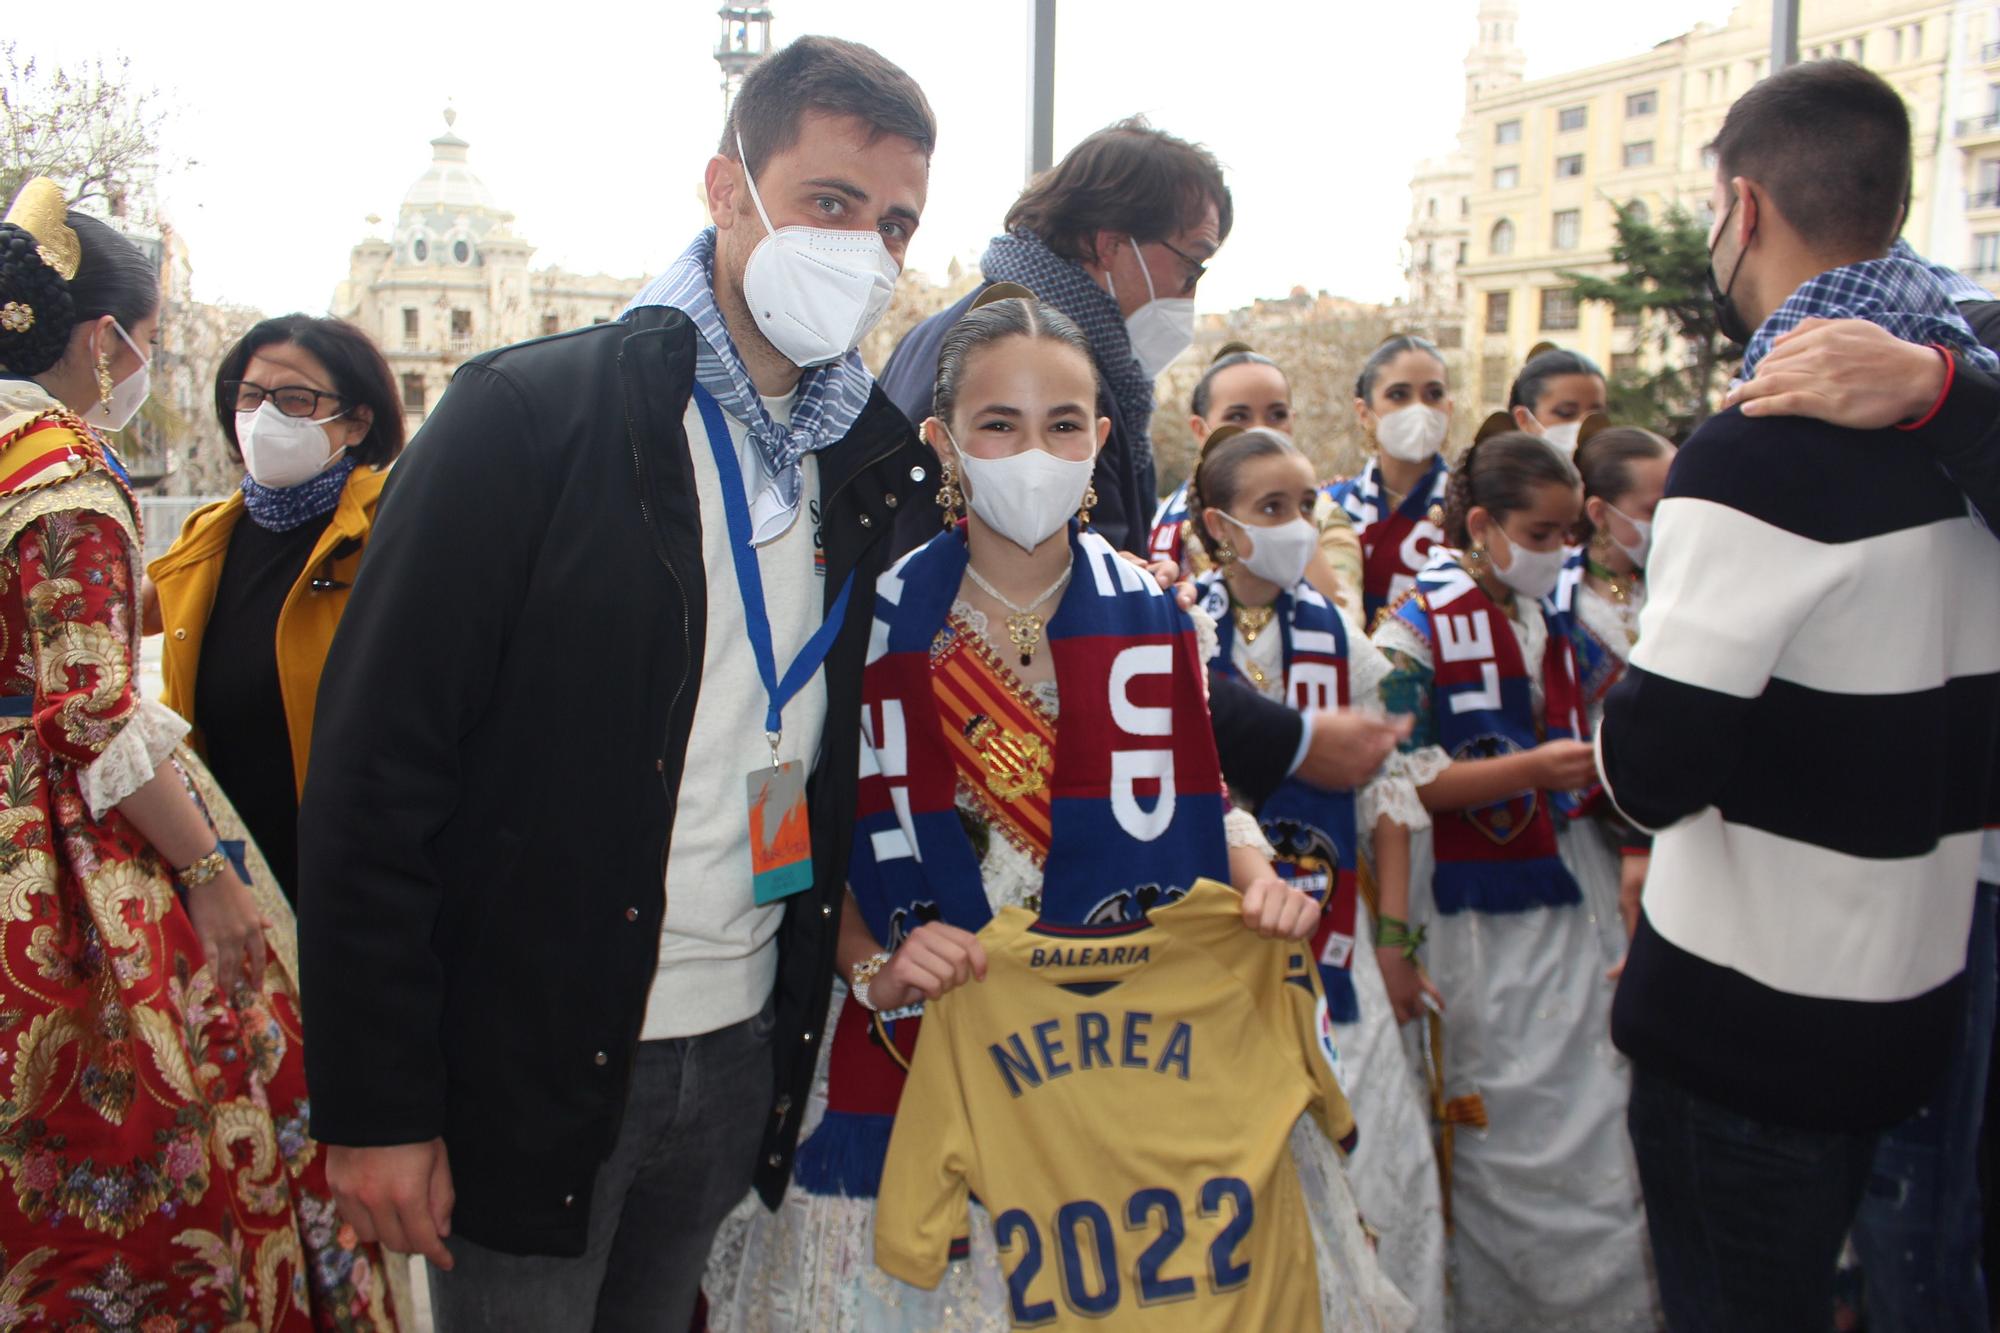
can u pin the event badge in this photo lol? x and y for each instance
(780, 837)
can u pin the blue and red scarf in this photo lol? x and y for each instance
(1598, 665)
(1167, 541)
(1500, 857)
(1394, 543)
(1135, 800)
(1312, 830)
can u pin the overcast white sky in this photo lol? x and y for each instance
(592, 121)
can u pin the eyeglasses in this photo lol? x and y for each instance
(1195, 267)
(294, 400)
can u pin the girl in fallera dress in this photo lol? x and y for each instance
(1603, 590)
(1403, 402)
(985, 667)
(1252, 500)
(1243, 389)
(1548, 1231)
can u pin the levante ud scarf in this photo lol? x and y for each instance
(1312, 830)
(1500, 857)
(1395, 543)
(1134, 799)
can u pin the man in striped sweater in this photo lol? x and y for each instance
(1811, 725)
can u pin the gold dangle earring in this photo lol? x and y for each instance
(104, 384)
(1089, 499)
(949, 497)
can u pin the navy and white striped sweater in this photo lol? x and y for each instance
(1811, 724)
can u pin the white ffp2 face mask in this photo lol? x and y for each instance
(1643, 526)
(1532, 574)
(1412, 434)
(280, 451)
(1279, 554)
(1025, 497)
(128, 395)
(1159, 330)
(815, 292)
(1562, 437)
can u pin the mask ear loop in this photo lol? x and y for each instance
(751, 181)
(1144, 272)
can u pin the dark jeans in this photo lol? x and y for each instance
(684, 1158)
(1918, 1232)
(1747, 1218)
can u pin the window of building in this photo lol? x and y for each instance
(1568, 165)
(1506, 178)
(1624, 365)
(1916, 41)
(461, 323)
(1642, 104)
(1465, 206)
(1501, 240)
(1431, 207)
(1496, 376)
(1639, 154)
(1860, 50)
(1507, 131)
(410, 325)
(1624, 319)
(1430, 254)
(1463, 248)
(420, 250)
(1451, 337)
(461, 251)
(1986, 251)
(1897, 33)
(413, 393)
(551, 324)
(1567, 229)
(1636, 210)
(1558, 308)
(1499, 305)
(1572, 118)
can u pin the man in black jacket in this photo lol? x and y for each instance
(587, 622)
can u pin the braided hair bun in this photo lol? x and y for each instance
(36, 312)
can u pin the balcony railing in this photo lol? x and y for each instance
(1982, 199)
(1985, 124)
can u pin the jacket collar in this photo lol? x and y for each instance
(207, 533)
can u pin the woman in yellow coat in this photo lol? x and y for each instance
(251, 593)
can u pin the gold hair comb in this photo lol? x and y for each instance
(40, 211)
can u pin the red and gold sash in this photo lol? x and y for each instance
(1002, 740)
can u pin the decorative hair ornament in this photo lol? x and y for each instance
(1592, 424)
(40, 211)
(1497, 424)
(1002, 291)
(17, 317)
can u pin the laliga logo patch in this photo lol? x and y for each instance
(1503, 821)
(1328, 1047)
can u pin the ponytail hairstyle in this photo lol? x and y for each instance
(1499, 474)
(1605, 463)
(1228, 355)
(1544, 365)
(1004, 310)
(1371, 369)
(1217, 479)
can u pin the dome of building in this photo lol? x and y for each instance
(448, 185)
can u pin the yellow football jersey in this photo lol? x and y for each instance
(1120, 1099)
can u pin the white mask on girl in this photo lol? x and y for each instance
(1562, 437)
(1532, 574)
(1644, 526)
(1412, 434)
(1025, 497)
(1279, 554)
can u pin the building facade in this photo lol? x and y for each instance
(452, 280)
(1549, 162)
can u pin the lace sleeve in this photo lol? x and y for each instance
(126, 764)
(1240, 828)
(1393, 791)
(1206, 641)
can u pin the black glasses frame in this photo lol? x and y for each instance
(264, 395)
(1196, 268)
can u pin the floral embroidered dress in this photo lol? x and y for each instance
(155, 1173)
(810, 1266)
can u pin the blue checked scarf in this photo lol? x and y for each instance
(1021, 256)
(830, 397)
(1898, 292)
(1956, 285)
(282, 508)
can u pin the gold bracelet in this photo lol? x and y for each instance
(202, 871)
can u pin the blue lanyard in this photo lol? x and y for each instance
(750, 581)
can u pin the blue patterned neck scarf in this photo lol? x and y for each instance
(1899, 294)
(830, 398)
(282, 508)
(1021, 256)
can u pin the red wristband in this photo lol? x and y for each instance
(1950, 374)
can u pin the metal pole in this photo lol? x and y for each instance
(1784, 34)
(1042, 89)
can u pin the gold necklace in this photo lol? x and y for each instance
(1619, 585)
(1253, 620)
(1024, 627)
